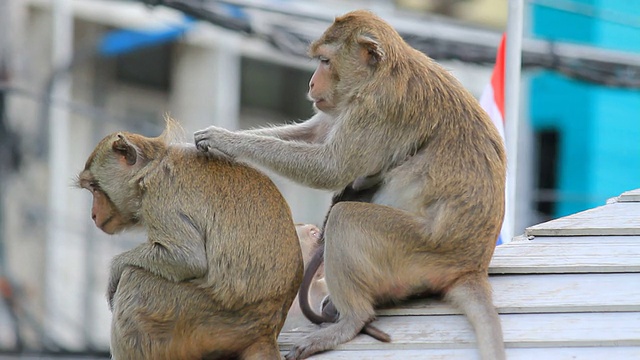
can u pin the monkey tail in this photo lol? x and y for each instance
(376, 333)
(473, 296)
(303, 299)
(307, 280)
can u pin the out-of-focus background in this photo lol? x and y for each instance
(72, 71)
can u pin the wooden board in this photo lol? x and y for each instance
(621, 218)
(568, 255)
(582, 353)
(544, 294)
(630, 196)
(520, 330)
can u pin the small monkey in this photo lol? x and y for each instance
(204, 286)
(310, 240)
(314, 294)
(428, 219)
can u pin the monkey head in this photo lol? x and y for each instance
(322, 83)
(310, 239)
(349, 52)
(110, 174)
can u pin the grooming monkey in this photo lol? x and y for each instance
(390, 114)
(205, 285)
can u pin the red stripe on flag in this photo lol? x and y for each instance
(497, 78)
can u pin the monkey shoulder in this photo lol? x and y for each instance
(217, 171)
(188, 156)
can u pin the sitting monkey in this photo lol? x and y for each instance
(435, 168)
(222, 263)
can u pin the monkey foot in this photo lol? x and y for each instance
(302, 350)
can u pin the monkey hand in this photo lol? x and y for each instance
(216, 138)
(111, 290)
(366, 182)
(114, 279)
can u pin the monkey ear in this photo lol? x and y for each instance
(123, 147)
(372, 52)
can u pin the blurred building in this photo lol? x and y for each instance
(128, 66)
(587, 135)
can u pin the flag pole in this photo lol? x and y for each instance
(512, 105)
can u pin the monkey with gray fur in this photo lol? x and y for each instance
(205, 285)
(387, 111)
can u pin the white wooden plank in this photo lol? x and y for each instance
(568, 255)
(520, 330)
(622, 218)
(582, 353)
(544, 294)
(630, 196)
(605, 241)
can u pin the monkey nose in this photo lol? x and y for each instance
(93, 217)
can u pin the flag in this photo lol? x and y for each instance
(492, 101)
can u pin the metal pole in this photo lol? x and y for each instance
(4, 152)
(56, 252)
(512, 105)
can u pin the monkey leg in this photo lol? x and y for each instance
(472, 294)
(368, 259)
(260, 350)
(157, 319)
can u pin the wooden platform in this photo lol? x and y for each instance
(568, 289)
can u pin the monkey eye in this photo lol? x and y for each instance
(93, 186)
(323, 60)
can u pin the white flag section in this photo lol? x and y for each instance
(487, 101)
(492, 101)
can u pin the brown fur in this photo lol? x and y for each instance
(389, 113)
(204, 286)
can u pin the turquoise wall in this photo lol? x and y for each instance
(599, 127)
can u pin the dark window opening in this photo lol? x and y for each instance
(275, 88)
(148, 67)
(547, 144)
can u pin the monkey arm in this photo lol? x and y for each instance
(312, 130)
(330, 165)
(162, 257)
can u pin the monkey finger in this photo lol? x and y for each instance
(294, 354)
(208, 133)
(110, 295)
(201, 142)
(304, 349)
(202, 139)
(204, 133)
(203, 146)
(208, 140)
